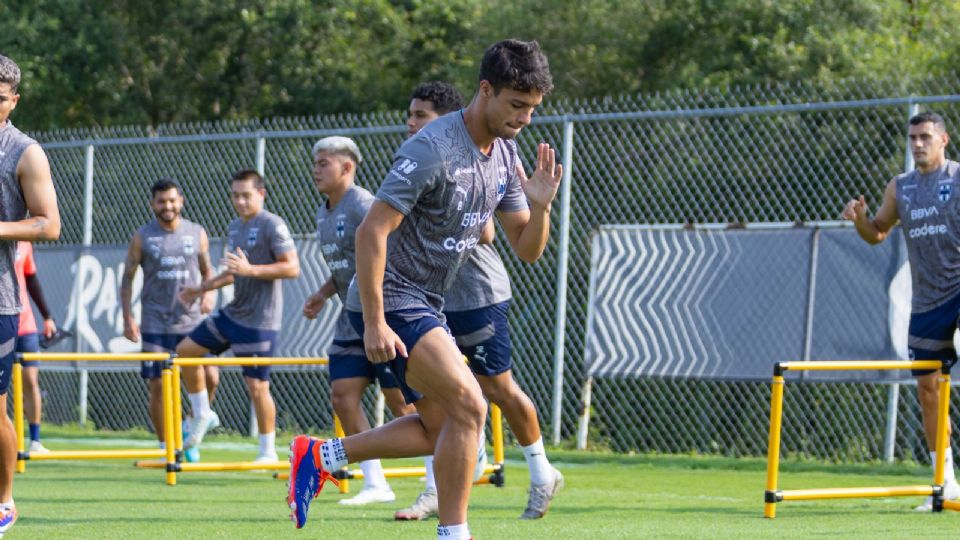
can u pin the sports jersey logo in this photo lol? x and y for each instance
(341, 225)
(407, 166)
(501, 187)
(252, 236)
(154, 250)
(188, 247)
(944, 193)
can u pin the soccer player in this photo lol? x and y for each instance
(174, 253)
(430, 212)
(476, 308)
(335, 161)
(260, 252)
(28, 211)
(923, 200)
(28, 339)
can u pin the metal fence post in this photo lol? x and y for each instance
(893, 391)
(261, 155)
(87, 242)
(562, 262)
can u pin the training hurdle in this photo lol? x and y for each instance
(772, 495)
(17, 378)
(173, 410)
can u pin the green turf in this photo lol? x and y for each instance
(607, 496)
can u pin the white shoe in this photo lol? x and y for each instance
(370, 495)
(481, 463)
(951, 491)
(37, 448)
(267, 457)
(199, 428)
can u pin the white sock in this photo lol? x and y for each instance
(199, 403)
(453, 532)
(332, 455)
(540, 469)
(7, 505)
(373, 474)
(949, 475)
(431, 480)
(268, 443)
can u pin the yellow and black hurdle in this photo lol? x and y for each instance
(173, 461)
(772, 495)
(17, 382)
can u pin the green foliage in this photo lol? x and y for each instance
(118, 62)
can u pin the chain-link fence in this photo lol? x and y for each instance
(780, 153)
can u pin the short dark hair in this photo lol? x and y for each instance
(165, 184)
(518, 65)
(9, 73)
(928, 116)
(444, 96)
(244, 175)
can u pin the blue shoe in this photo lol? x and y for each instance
(192, 454)
(307, 477)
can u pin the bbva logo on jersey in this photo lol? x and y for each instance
(407, 166)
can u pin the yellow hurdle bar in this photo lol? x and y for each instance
(250, 361)
(772, 496)
(166, 387)
(17, 375)
(773, 447)
(97, 454)
(18, 416)
(845, 365)
(853, 492)
(99, 357)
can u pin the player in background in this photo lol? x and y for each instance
(430, 212)
(28, 339)
(476, 308)
(260, 253)
(335, 161)
(923, 200)
(174, 253)
(28, 211)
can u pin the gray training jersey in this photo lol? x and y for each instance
(447, 189)
(12, 208)
(170, 261)
(336, 231)
(929, 208)
(258, 303)
(482, 281)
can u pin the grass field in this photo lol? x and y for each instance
(606, 496)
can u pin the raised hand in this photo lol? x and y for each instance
(541, 187)
(237, 263)
(856, 210)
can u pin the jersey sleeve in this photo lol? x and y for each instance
(417, 169)
(513, 199)
(281, 241)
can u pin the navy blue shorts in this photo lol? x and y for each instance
(483, 336)
(166, 343)
(29, 343)
(9, 325)
(410, 325)
(931, 335)
(348, 360)
(219, 333)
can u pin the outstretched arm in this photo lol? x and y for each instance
(874, 230)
